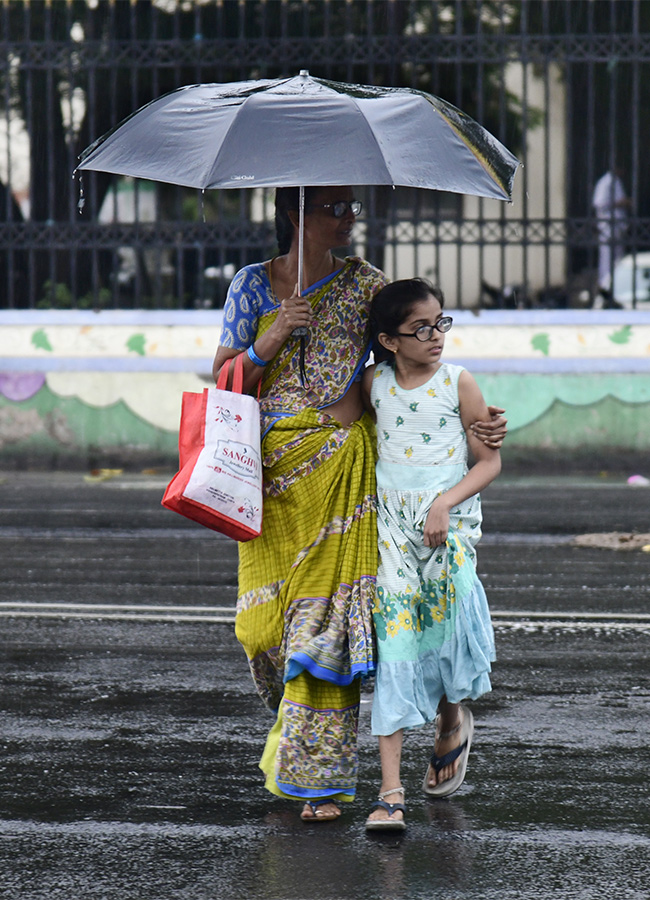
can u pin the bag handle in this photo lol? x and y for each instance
(237, 378)
(238, 374)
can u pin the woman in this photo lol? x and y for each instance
(306, 584)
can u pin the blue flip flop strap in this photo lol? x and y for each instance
(389, 807)
(439, 762)
(316, 803)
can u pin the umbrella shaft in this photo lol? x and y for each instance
(301, 236)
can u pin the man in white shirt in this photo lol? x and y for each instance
(611, 205)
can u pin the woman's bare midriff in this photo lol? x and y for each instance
(349, 408)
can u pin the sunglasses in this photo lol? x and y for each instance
(425, 332)
(340, 208)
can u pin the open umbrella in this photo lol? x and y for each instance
(304, 131)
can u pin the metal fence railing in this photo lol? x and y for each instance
(563, 83)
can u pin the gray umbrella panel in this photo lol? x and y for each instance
(302, 131)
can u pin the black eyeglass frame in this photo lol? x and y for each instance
(445, 321)
(340, 208)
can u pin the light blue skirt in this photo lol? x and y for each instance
(431, 616)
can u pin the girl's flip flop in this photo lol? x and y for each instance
(388, 824)
(461, 753)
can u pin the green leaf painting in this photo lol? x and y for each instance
(622, 336)
(136, 344)
(41, 341)
(541, 342)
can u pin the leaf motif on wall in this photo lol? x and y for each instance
(622, 336)
(136, 343)
(541, 342)
(41, 341)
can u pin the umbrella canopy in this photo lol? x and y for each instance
(305, 131)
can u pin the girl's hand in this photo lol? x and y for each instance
(492, 432)
(436, 525)
(294, 312)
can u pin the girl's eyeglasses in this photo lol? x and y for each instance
(425, 332)
(340, 208)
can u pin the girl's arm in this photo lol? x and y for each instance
(487, 464)
(366, 384)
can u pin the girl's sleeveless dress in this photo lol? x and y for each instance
(433, 627)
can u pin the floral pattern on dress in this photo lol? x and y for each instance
(432, 622)
(417, 607)
(424, 420)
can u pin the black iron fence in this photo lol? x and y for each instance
(565, 84)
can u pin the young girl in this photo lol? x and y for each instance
(434, 635)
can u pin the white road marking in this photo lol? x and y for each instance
(226, 615)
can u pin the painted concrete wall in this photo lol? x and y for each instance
(108, 385)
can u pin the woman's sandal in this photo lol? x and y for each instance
(314, 805)
(388, 824)
(460, 753)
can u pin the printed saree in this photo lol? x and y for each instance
(306, 585)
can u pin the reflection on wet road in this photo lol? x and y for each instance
(129, 747)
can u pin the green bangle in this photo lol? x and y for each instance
(254, 358)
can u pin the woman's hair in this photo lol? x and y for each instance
(392, 305)
(287, 199)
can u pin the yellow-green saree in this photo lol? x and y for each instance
(306, 585)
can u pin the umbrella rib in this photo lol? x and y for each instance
(209, 184)
(370, 129)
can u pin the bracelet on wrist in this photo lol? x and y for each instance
(254, 358)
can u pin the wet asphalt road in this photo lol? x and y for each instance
(129, 746)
